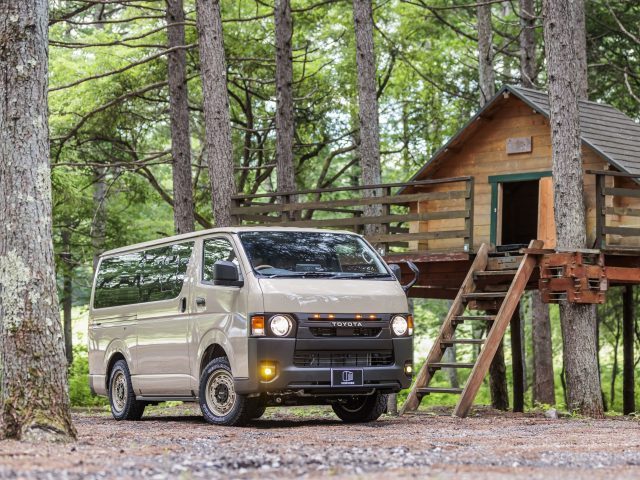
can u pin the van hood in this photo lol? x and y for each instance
(311, 295)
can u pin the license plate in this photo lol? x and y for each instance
(346, 377)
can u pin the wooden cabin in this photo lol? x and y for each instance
(506, 148)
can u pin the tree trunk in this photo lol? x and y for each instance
(369, 148)
(67, 293)
(99, 220)
(285, 127)
(517, 361)
(486, 76)
(498, 380)
(578, 321)
(34, 402)
(217, 123)
(628, 328)
(528, 67)
(579, 28)
(543, 381)
(179, 118)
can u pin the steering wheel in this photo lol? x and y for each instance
(263, 267)
(366, 256)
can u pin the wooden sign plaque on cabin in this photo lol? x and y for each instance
(518, 145)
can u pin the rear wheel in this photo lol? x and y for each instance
(122, 398)
(219, 402)
(361, 409)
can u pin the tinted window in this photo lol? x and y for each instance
(309, 254)
(149, 276)
(216, 249)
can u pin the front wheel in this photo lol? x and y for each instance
(219, 402)
(361, 409)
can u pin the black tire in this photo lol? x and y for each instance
(256, 408)
(219, 402)
(122, 398)
(361, 409)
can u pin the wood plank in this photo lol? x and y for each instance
(623, 231)
(451, 365)
(447, 329)
(500, 324)
(546, 220)
(428, 390)
(407, 237)
(351, 202)
(622, 192)
(463, 341)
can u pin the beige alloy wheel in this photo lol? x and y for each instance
(119, 389)
(220, 393)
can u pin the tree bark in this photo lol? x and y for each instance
(528, 67)
(628, 338)
(183, 214)
(285, 126)
(543, 381)
(579, 28)
(99, 220)
(218, 147)
(486, 75)
(369, 148)
(67, 293)
(578, 321)
(517, 361)
(498, 380)
(34, 402)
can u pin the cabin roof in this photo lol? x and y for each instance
(603, 128)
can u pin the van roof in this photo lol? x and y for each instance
(201, 233)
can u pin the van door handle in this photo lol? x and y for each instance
(183, 305)
(200, 302)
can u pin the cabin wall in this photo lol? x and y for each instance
(484, 154)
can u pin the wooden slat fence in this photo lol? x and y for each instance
(346, 208)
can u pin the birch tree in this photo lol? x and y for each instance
(217, 123)
(179, 119)
(34, 402)
(567, 79)
(285, 126)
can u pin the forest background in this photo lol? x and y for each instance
(111, 135)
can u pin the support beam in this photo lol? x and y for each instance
(517, 361)
(628, 324)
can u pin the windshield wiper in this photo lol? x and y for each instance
(303, 275)
(362, 275)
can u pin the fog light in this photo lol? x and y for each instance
(268, 371)
(408, 369)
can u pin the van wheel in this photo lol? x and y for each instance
(219, 402)
(122, 398)
(360, 409)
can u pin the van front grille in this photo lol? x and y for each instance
(345, 332)
(329, 359)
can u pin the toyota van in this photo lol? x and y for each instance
(243, 318)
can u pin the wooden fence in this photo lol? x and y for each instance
(617, 202)
(350, 208)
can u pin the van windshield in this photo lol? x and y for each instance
(311, 255)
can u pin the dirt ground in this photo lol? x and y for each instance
(175, 442)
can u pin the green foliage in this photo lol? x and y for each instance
(79, 390)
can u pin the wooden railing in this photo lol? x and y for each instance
(605, 210)
(351, 208)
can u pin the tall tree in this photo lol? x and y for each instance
(285, 126)
(183, 215)
(67, 292)
(369, 148)
(579, 33)
(99, 220)
(628, 338)
(565, 89)
(34, 402)
(218, 147)
(528, 67)
(543, 381)
(486, 75)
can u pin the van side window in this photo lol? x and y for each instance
(149, 276)
(164, 272)
(216, 249)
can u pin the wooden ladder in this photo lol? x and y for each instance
(502, 302)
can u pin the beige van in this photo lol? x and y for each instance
(243, 318)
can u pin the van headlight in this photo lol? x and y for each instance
(280, 325)
(400, 326)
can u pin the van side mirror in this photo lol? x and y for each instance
(395, 269)
(226, 273)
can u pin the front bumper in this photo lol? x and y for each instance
(316, 380)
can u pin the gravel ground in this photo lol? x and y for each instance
(176, 443)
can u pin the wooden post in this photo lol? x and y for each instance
(468, 221)
(628, 324)
(517, 361)
(601, 211)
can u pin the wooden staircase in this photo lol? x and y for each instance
(476, 292)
